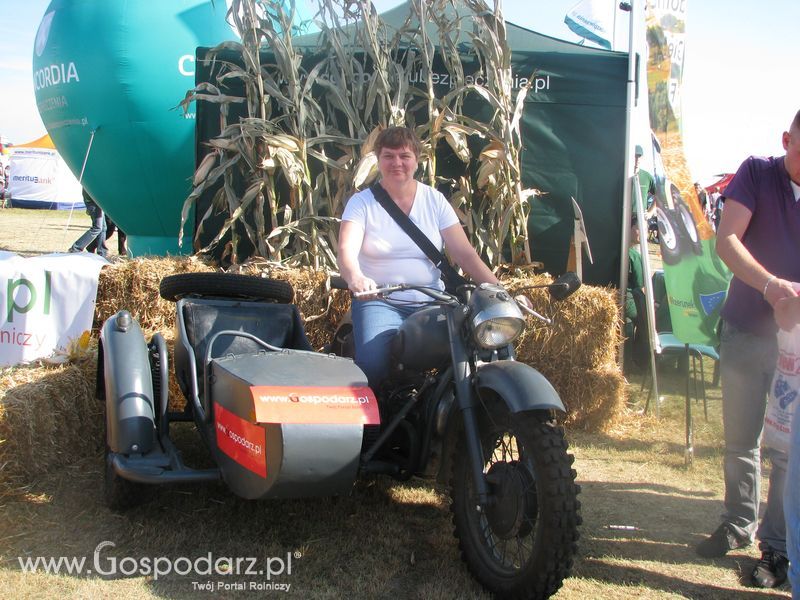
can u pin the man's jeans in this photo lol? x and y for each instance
(791, 506)
(747, 365)
(96, 232)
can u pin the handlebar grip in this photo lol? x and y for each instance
(437, 295)
(338, 282)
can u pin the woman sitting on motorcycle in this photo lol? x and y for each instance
(374, 250)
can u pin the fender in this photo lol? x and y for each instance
(130, 407)
(521, 386)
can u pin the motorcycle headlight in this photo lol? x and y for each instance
(496, 318)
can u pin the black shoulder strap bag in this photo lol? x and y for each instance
(452, 279)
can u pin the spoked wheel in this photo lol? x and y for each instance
(523, 544)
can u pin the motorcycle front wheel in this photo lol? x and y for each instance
(523, 543)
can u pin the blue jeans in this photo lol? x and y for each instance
(747, 365)
(97, 232)
(375, 323)
(791, 507)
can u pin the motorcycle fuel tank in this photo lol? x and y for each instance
(289, 424)
(422, 341)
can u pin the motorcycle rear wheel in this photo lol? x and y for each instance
(523, 544)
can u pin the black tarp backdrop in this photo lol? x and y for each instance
(573, 131)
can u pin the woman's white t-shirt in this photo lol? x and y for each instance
(388, 254)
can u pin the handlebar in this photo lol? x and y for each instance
(338, 283)
(399, 287)
(560, 289)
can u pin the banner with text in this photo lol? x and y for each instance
(47, 301)
(695, 277)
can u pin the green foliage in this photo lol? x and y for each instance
(305, 141)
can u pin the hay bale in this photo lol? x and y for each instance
(594, 398)
(321, 307)
(585, 330)
(133, 285)
(577, 352)
(49, 417)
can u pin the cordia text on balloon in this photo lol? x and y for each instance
(55, 75)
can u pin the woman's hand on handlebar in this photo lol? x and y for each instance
(360, 284)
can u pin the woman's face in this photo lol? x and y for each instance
(397, 164)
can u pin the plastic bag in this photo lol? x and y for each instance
(783, 392)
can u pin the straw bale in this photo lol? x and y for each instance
(585, 329)
(594, 398)
(577, 352)
(49, 417)
(321, 307)
(133, 285)
(582, 340)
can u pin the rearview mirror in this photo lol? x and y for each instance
(564, 286)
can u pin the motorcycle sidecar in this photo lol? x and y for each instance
(279, 419)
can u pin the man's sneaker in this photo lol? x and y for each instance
(771, 570)
(722, 541)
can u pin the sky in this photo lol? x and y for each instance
(740, 89)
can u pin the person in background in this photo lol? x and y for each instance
(647, 185)
(122, 239)
(759, 240)
(702, 198)
(719, 204)
(374, 250)
(97, 230)
(636, 334)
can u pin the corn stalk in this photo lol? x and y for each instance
(305, 141)
(499, 173)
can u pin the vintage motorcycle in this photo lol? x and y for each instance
(457, 407)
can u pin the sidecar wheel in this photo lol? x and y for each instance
(225, 285)
(523, 544)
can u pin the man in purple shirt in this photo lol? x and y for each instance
(759, 240)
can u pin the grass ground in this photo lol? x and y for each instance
(643, 510)
(30, 232)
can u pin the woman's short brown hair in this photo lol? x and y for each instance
(397, 137)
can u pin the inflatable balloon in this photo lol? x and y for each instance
(107, 77)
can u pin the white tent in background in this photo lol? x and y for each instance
(41, 179)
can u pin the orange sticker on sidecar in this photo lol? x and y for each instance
(313, 404)
(242, 441)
